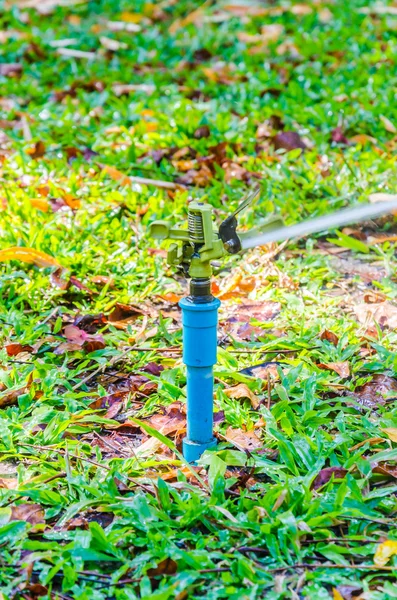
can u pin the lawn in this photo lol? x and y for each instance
(114, 114)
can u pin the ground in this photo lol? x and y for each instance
(208, 100)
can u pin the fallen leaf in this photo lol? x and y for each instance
(30, 513)
(325, 475)
(37, 151)
(123, 315)
(382, 313)
(338, 136)
(260, 310)
(171, 422)
(58, 281)
(116, 175)
(329, 336)
(384, 468)
(90, 323)
(244, 440)
(40, 204)
(241, 390)
(350, 266)
(342, 368)
(103, 280)
(164, 567)
(153, 368)
(200, 178)
(372, 394)
(384, 552)
(78, 338)
(388, 125)
(362, 139)
(391, 433)
(236, 286)
(9, 397)
(202, 132)
(28, 255)
(15, 349)
(288, 140)
(170, 297)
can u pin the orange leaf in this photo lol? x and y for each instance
(28, 255)
(71, 201)
(40, 204)
(116, 175)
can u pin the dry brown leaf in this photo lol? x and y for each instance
(325, 475)
(9, 397)
(329, 336)
(372, 394)
(173, 421)
(30, 513)
(165, 567)
(28, 255)
(123, 315)
(391, 433)
(288, 140)
(382, 313)
(15, 349)
(241, 390)
(244, 440)
(342, 368)
(37, 150)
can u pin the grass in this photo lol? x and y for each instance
(298, 500)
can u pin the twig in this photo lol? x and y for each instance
(128, 179)
(325, 566)
(107, 443)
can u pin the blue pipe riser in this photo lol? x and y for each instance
(199, 323)
(199, 354)
(200, 390)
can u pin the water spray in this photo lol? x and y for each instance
(195, 245)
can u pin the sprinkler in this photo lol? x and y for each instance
(194, 246)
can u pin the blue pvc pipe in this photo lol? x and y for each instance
(199, 323)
